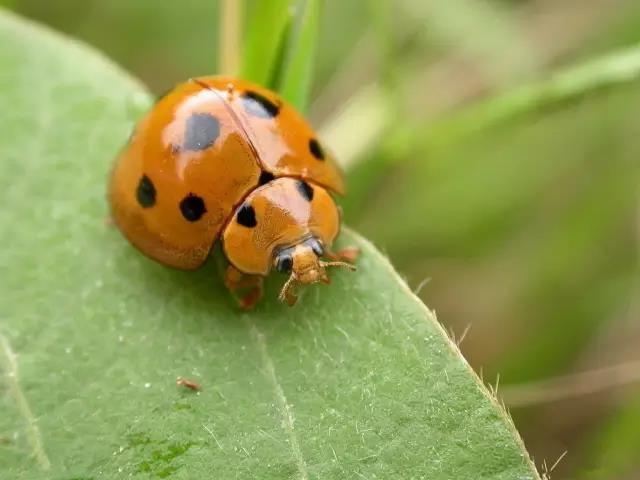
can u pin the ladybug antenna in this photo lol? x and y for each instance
(287, 293)
(346, 265)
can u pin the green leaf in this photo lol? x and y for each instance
(357, 381)
(265, 40)
(297, 70)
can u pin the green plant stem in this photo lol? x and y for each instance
(230, 36)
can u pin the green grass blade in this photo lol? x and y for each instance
(268, 23)
(357, 381)
(297, 70)
(565, 87)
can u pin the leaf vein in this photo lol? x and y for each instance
(33, 433)
(285, 408)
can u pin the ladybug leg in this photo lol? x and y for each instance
(349, 254)
(235, 281)
(253, 296)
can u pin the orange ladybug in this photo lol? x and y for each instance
(221, 157)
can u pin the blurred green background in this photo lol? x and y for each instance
(522, 234)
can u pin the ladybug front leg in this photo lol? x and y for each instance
(348, 254)
(252, 286)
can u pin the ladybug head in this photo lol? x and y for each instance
(303, 262)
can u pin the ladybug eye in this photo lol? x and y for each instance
(284, 263)
(316, 246)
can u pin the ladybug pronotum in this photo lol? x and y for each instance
(223, 158)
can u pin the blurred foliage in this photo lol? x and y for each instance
(528, 229)
(614, 452)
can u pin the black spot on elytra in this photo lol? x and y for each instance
(146, 192)
(192, 207)
(201, 131)
(305, 190)
(259, 106)
(246, 216)
(316, 149)
(265, 177)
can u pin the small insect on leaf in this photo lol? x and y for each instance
(190, 384)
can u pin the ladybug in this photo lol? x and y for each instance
(222, 158)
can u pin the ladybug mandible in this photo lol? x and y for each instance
(219, 157)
